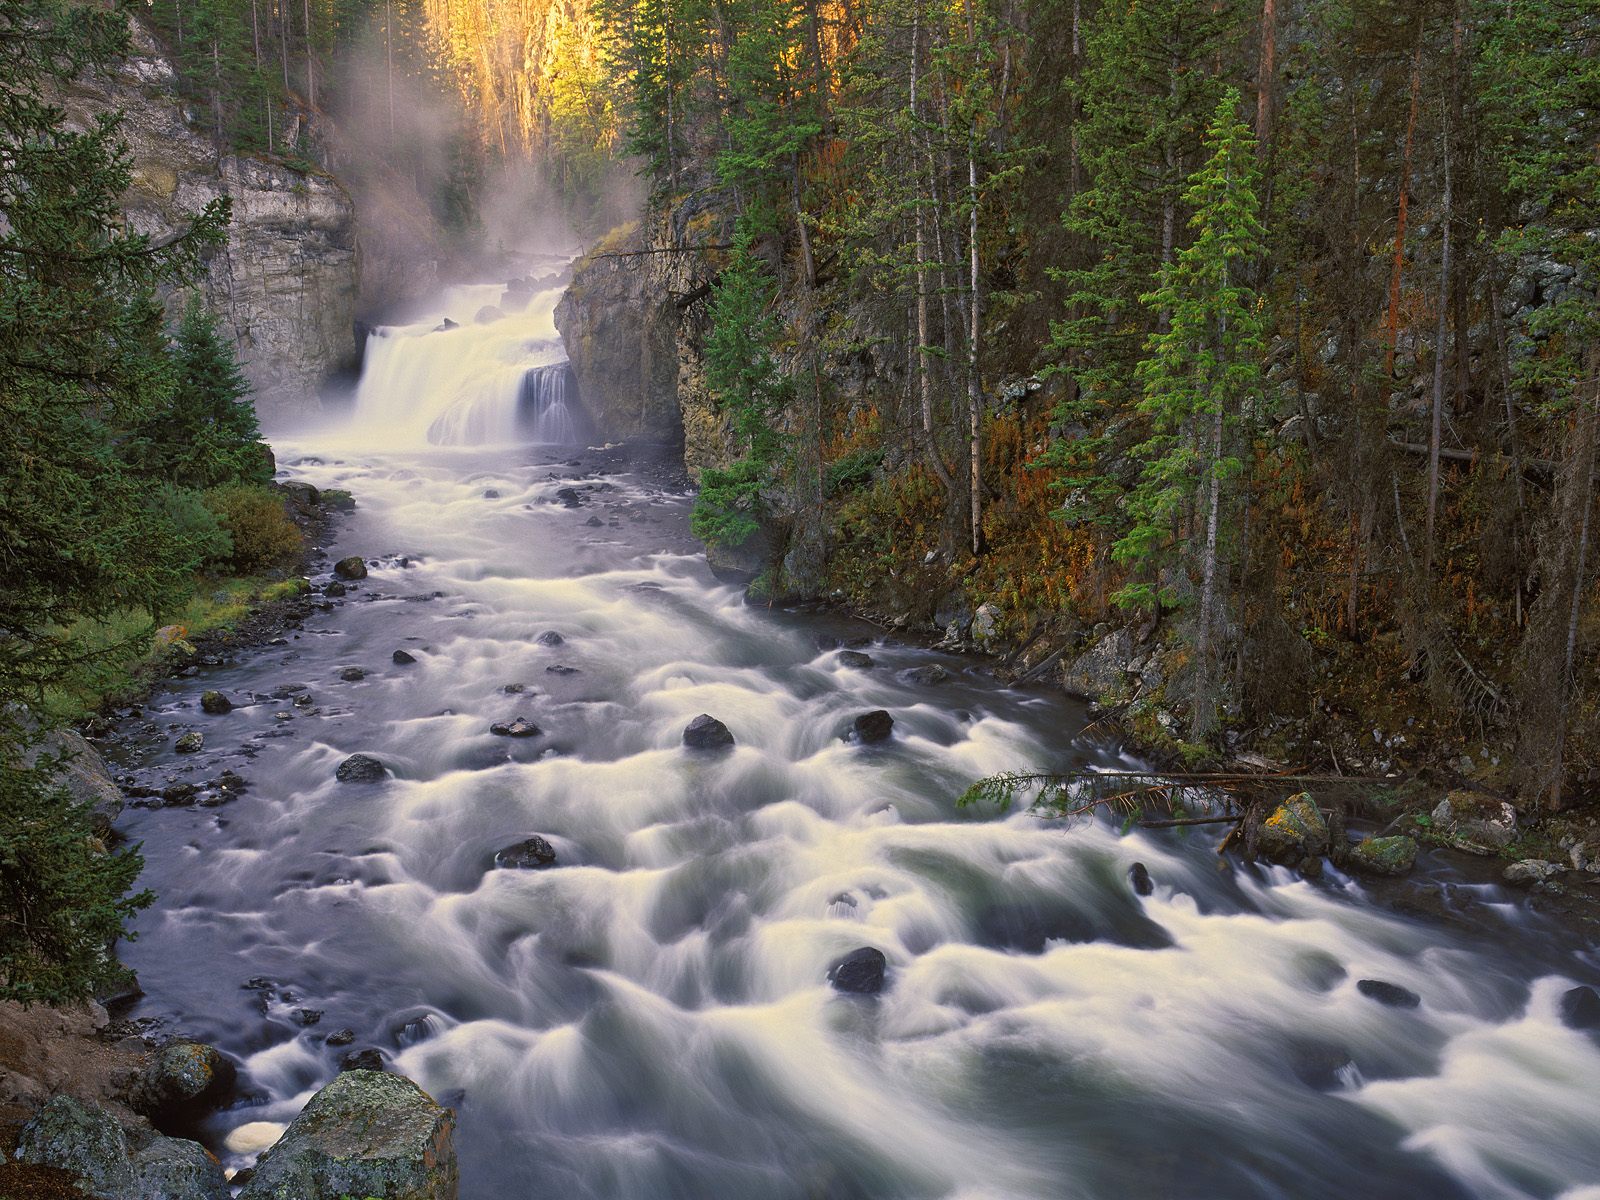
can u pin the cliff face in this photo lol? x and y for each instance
(286, 283)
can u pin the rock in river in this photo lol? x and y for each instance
(354, 567)
(860, 972)
(855, 659)
(527, 855)
(1390, 994)
(1580, 1008)
(874, 726)
(1294, 831)
(1384, 855)
(403, 659)
(360, 768)
(190, 743)
(215, 703)
(705, 732)
(182, 1082)
(549, 638)
(1139, 876)
(367, 1133)
(517, 727)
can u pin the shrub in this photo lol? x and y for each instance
(262, 533)
(196, 526)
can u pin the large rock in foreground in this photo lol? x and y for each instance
(1296, 830)
(366, 1134)
(87, 1141)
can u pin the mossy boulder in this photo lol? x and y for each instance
(183, 1081)
(367, 1133)
(1295, 831)
(86, 1140)
(1384, 855)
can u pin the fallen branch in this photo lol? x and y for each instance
(1542, 466)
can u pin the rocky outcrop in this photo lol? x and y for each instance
(114, 1164)
(83, 773)
(368, 1133)
(286, 282)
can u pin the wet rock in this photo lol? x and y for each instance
(354, 567)
(874, 726)
(1295, 831)
(594, 522)
(361, 768)
(86, 1140)
(491, 493)
(365, 1134)
(927, 676)
(569, 497)
(705, 732)
(550, 638)
(517, 727)
(1139, 876)
(334, 588)
(561, 669)
(182, 1082)
(1390, 994)
(303, 701)
(340, 1037)
(1532, 873)
(1321, 1065)
(403, 658)
(370, 1059)
(855, 659)
(446, 325)
(215, 703)
(306, 1017)
(301, 492)
(190, 743)
(530, 854)
(860, 972)
(352, 674)
(1384, 855)
(1580, 1008)
(514, 689)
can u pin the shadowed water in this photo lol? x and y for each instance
(650, 1018)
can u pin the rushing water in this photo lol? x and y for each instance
(650, 1018)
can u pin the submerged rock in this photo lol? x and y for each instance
(215, 703)
(403, 658)
(860, 972)
(1580, 1008)
(361, 768)
(928, 675)
(517, 727)
(705, 732)
(1295, 831)
(855, 659)
(549, 638)
(1139, 876)
(874, 726)
(352, 674)
(367, 1133)
(190, 743)
(1384, 855)
(1389, 994)
(354, 567)
(531, 854)
(86, 1140)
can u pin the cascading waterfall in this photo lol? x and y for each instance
(484, 366)
(650, 1018)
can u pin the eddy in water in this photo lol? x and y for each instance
(778, 964)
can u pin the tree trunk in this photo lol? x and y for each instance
(924, 380)
(311, 70)
(1393, 322)
(1436, 429)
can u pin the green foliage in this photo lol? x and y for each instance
(195, 526)
(257, 524)
(726, 508)
(205, 434)
(853, 470)
(64, 896)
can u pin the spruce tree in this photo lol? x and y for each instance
(1198, 378)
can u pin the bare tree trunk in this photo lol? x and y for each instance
(1589, 419)
(311, 69)
(924, 380)
(975, 285)
(1266, 76)
(1393, 322)
(1435, 431)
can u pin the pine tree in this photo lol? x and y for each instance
(1198, 377)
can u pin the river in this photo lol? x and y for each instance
(650, 1018)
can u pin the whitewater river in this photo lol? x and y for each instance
(650, 1018)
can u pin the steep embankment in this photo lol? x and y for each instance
(286, 283)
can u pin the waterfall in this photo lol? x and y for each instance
(484, 366)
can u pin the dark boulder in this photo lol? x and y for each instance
(569, 497)
(352, 674)
(860, 972)
(365, 1134)
(874, 726)
(182, 1082)
(361, 768)
(1390, 994)
(1139, 876)
(190, 743)
(403, 659)
(370, 1059)
(855, 659)
(705, 732)
(354, 567)
(928, 675)
(334, 588)
(549, 638)
(530, 854)
(340, 1037)
(517, 727)
(561, 669)
(1580, 1008)
(301, 492)
(215, 703)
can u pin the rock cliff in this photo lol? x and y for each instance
(286, 283)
